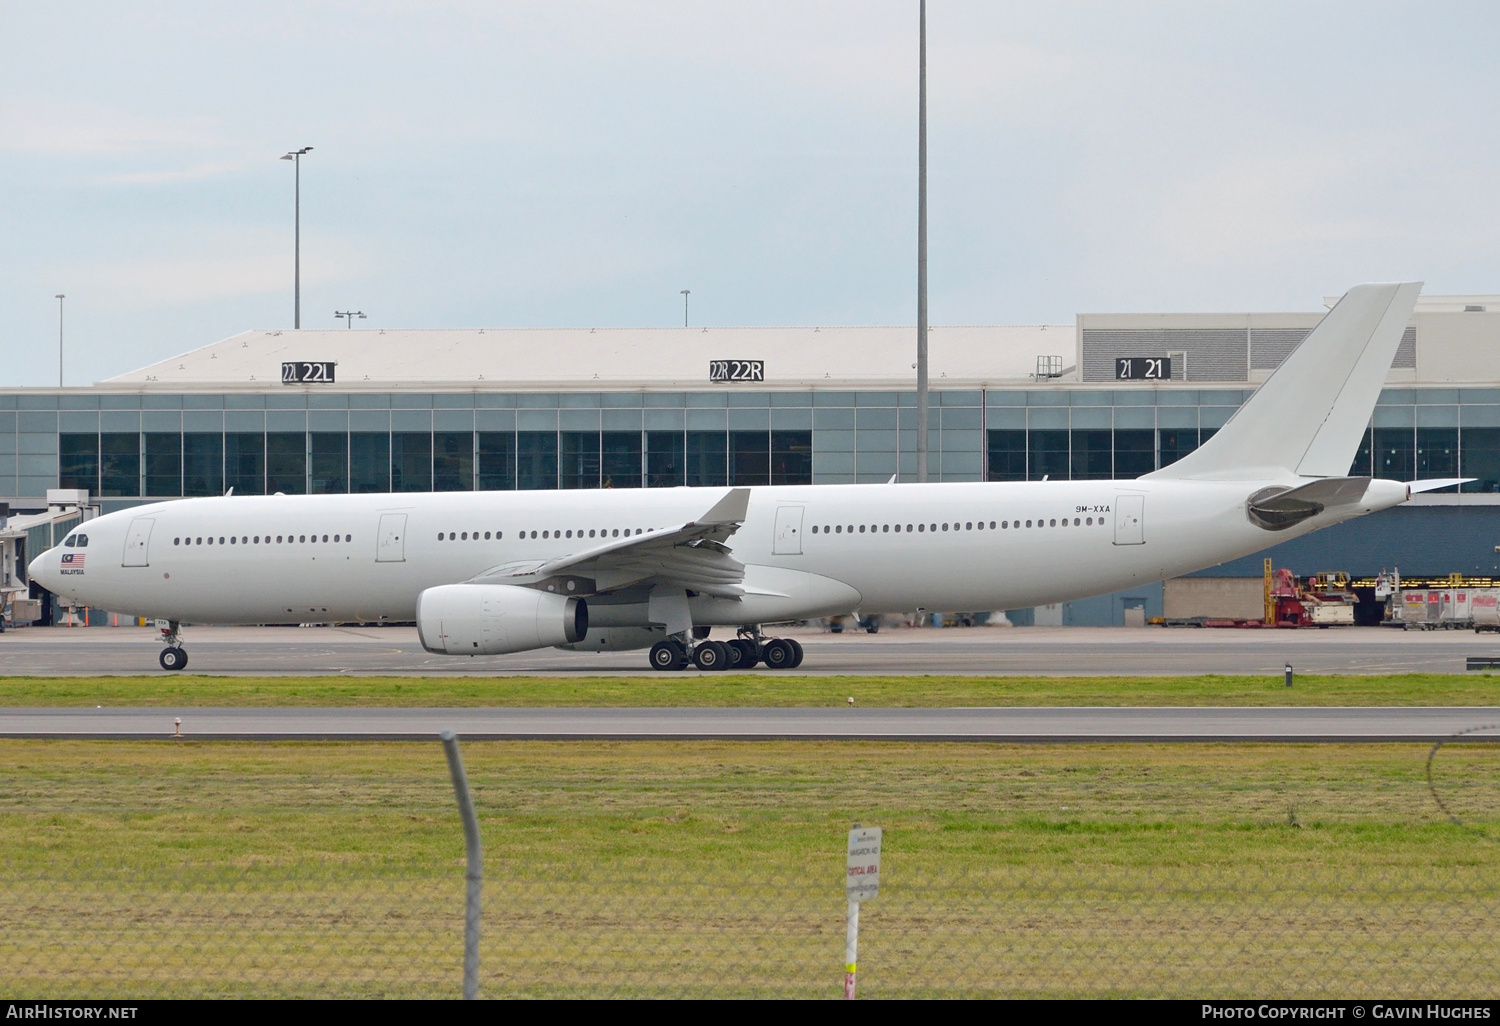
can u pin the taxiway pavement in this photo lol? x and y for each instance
(1039, 651)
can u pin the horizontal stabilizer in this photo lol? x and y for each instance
(1310, 416)
(1276, 509)
(1432, 484)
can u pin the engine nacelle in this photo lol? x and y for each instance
(617, 639)
(493, 619)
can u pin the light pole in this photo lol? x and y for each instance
(685, 293)
(922, 401)
(295, 156)
(349, 315)
(60, 297)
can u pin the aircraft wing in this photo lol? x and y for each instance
(691, 556)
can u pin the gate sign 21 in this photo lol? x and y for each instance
(1143, 368)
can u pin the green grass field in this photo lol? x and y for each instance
(749, 690)
(714, 867)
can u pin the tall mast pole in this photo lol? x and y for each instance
(922, 399)
(297, 245)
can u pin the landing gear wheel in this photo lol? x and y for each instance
(779, 654)
(711, 655)
(668, 655)
(172, 659)
(797, 649)
(742, 654)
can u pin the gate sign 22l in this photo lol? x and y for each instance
(1143, 368)
(305, 372)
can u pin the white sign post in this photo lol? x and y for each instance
(861, 882)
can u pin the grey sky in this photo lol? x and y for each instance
(553, 163)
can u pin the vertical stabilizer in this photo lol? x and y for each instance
(1309, 416)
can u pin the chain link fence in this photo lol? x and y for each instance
(649, 929)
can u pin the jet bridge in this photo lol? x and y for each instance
(23, 535)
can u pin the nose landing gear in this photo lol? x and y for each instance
(174, 656)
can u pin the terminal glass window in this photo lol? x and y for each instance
(1480, 458)
(78, 461)
(620, 459)
(749, 458)
(329, 462)
(1175, 443)
(202, 463)
(1007, 452)
(707, 458)
(369, 462)
(163, 464)
(1092, 456)
(1135, 453)
(244, 462)
(578, 459)
(665, 462)
(1437, 454)
(120, 464)
(1361, 465)
(1394, 454)
(286, 462)
(791, 457)
(453, 461)
(411, 461)
(497, 461)
(536, 460)
(1047, 455)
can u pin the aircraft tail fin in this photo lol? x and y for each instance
(1311, 413)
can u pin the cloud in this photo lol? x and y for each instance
(231, 263)
(57, 127)
(196, 173)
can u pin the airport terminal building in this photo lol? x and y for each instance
(1109, 396)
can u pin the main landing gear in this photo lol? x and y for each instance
(743, 653)
(174, 656)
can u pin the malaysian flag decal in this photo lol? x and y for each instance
(72, 563)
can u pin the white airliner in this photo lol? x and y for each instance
(488, 573)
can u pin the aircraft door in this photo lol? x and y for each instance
(1130, 527)
(138, 542)
(391, 546)
(788, 541)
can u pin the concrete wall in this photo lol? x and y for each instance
(1232, 598)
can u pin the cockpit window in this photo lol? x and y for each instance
(70, 541)
(83, 541)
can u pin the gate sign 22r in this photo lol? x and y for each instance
(1143, 368)
(304, 372)
(736, 370)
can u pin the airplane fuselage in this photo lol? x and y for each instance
(809, 550)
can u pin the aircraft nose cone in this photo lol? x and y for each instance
(40, 570)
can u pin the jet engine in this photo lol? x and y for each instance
(485, 619)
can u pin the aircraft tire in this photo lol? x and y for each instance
(797, 652)
(778, 654)
(742, 654)
(667, 655)
(173, 658)
(711, 655)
